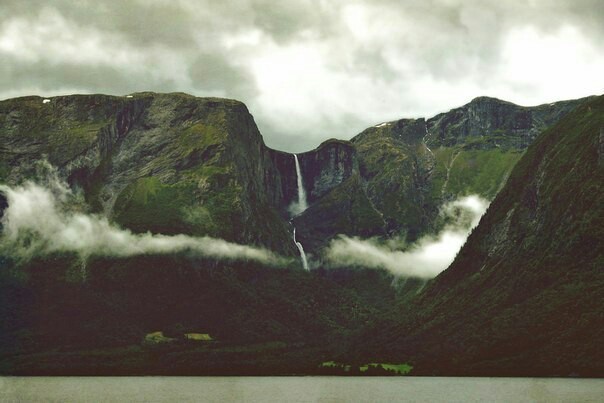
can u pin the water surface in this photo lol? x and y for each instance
(299, 389)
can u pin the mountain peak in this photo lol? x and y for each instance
(487, 99)
(492, 117)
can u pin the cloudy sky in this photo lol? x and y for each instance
(308, 69)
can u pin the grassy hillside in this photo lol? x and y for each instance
(461, 170)
(395, 167)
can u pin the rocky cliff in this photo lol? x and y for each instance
(396, 166)
(504, 123)
(411, 167)
(322, 169)
(408, 168)
(166, 163)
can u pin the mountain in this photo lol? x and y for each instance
(407, 169)
(169, 164)
(172, 164)
(504, 123)
(525, 295)
(166, 163)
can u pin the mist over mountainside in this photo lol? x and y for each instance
(168, 212)
(153, 162)
(525, 294)
(173, 163)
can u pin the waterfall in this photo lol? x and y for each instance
(302, 254)
(301, 205)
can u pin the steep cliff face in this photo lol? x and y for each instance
(476, 146)
(322, 169)
(62, 130)
(504, 122)
(526, 291)
(327, 166)
(168, 163)
(335, 192)
(345, 210)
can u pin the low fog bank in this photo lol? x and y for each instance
(46, 218)
(425, 258)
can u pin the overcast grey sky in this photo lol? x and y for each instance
(309, 69)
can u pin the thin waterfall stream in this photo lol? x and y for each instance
(302, 254)
(298, 208)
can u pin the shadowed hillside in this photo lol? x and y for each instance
(525, 295)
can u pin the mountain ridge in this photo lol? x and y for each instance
(145, 151)
(175, 164)
(524, 294)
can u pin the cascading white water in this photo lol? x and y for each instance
(299, 207)
(302, 204)
(302, 254)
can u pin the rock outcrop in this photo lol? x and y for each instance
(410, 167)
(327, 166)
(504, 122)
(323, 169)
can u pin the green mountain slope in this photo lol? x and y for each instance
(166, 163)
(409, 168)
(525, 295)
(396, 165)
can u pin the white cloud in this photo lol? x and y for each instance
(52, 38)
(43, 219)
(424, 259)
(557, 65)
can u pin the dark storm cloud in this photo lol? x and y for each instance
(100, 79)
(212, 72)
(308, 69)
(143, 23)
